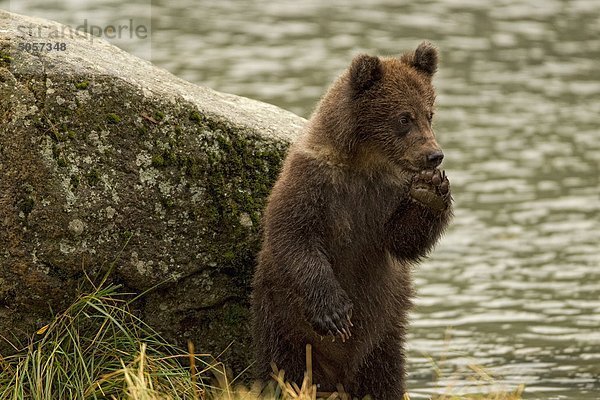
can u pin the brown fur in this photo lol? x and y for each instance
(341, 230)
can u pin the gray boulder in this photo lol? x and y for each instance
(107, 161)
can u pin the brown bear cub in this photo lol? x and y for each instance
(359, 201)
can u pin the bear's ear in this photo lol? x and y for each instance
(425, 58)
(365, 71)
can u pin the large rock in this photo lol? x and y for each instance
(107, 161)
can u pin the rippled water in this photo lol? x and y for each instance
(515, 284)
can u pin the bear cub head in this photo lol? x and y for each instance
(380, 112)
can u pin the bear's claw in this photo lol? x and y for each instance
(432, 189)
(335, 323)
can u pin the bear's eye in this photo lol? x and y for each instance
(430, 117)
(404, 120)
(404, 124)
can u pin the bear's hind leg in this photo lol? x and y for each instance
(382, 375)
(288, 357)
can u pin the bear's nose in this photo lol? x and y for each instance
(434, 159)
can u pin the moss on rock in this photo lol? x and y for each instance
(82, 85)
(113, 118)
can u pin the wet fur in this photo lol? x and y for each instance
(341, 229)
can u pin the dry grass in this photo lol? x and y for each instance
(98, 349)
(477, 377)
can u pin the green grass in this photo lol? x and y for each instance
(90, 351)
(98, 349)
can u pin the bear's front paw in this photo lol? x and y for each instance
(432, 189)
(334, 320)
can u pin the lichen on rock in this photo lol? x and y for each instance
(107, 160)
